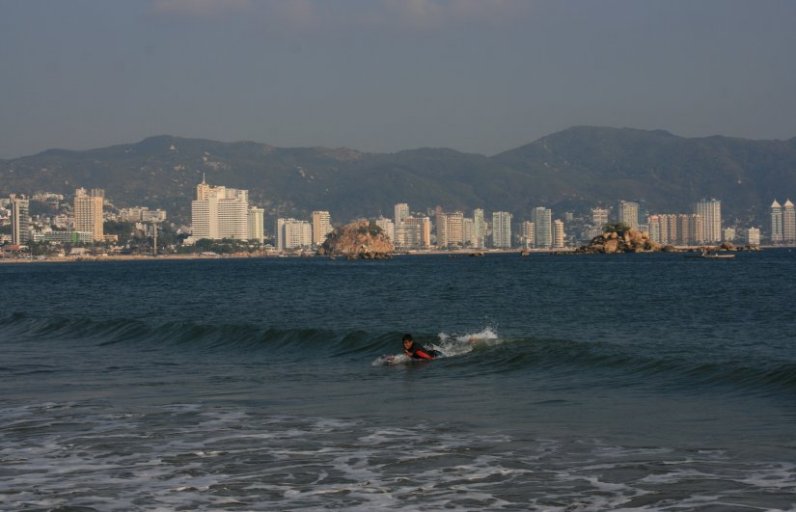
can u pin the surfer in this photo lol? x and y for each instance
(416, 351)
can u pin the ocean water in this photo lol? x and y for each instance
(640, 382)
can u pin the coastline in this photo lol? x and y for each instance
(238, 256)
(205, 256)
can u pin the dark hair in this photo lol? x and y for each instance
(407, 337)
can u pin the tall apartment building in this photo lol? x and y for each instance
(416, 232)
(479, 228)
(321, 226)
(697, 227)
(777, 234)
(559, 236)
(401, 212)
(257, 224)
(710, 211)
(387, 226)
(753, 236)
(788, 223)
(501, 230)
(88, 212)
(654, 227)
(675, 229)
(467, 231)
(450, 229)
(220, 212)
(293, 234)
(628, 213)
(20, 219)
(685, 229)
(528, 234)
(233, 215)
(543, 222)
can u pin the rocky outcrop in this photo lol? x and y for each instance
(358, 240)
(612, 242)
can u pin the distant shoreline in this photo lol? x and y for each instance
(244, 256)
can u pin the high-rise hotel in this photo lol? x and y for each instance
(20, 219)
(783, 223)
(321, 226)
(501, 230)
(411, 232)
(542, 219)
(450, 229)
(221, 212)
(628, 213)
(88, 212)
(710, 211)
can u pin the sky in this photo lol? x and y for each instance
(480, 76)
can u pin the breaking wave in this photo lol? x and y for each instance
(483, 351)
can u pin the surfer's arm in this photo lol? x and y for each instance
(423, 355)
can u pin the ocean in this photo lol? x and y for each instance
(648, 382)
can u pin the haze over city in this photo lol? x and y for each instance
(381, 75)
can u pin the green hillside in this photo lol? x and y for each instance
(573, 169)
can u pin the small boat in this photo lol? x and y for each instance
(714, 255)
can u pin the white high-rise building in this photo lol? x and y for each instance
(233, 215)
(88, 212)
(753, 236)
(20, 219)
(417, 232)
(528, 234)
(220, 212)
(654, 227)
(321, 226)
(388, 227)
(628, 213)
(559, 237)
(788, 223)
(479, 228)
(204, 213)
(543, 222)
(777, 234)
(257, 224)
(401, 212)
(467, 231)
(450, 229)
(293, 234)
(501, 230)
(710, 211)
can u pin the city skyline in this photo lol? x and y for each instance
(221, 212)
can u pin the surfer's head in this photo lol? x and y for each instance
(407, 339)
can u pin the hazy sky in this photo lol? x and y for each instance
(385, 75)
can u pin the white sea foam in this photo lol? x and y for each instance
(459, 344)
(266, 462)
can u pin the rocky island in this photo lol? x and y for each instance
(621, 239)
(358, 240)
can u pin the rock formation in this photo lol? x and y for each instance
(631, 240)
(358, 240)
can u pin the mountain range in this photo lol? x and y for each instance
(571, 170)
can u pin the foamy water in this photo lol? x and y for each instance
(199, 457)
